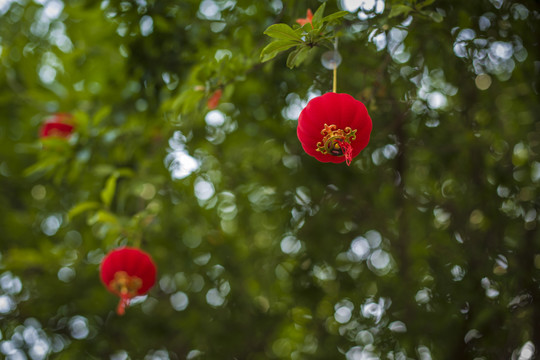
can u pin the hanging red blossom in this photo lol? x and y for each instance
(59, 125)
(334, 127)
(213, 102)
(127, 272)
(307, 19)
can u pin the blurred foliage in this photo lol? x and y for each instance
(427, 246)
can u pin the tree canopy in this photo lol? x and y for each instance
(184, 144)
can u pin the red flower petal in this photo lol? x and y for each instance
(341, 110)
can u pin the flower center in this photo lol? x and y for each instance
(124, 285)
(337, 142)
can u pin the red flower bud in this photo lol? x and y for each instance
(127, 272)
(334, 128)
(60, 125)
(213, 102)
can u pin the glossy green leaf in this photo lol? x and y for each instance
(318, 16)
(335, 16)
(296, 57)
(398, 10)
(283, 32)
(275, 47)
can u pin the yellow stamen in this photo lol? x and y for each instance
(333, 138)
(125, 285)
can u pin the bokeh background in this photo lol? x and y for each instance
(426, 247)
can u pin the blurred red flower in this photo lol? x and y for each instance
(334, 127)
(307, 19)
(59, 125)
(213, 102)
(127, 272)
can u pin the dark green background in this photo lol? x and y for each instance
(426, 247)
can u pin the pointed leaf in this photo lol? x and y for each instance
(282, 31)
(103, 216)
(318, 16)
(38, 167)
(307, 27)
(436, 16)
(82, 207)
(108, 191)
(335, 16)
(107, 194)
(297, 56)
(275, 47)
(424, 4)
(399, 9)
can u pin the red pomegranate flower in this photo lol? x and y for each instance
(127, 272)
(60, 125)
(334, 127)
(307, 19)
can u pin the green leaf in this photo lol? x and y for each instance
(108, 191)
(436, 16)
(102, 113)
(55, 144)
(399, 9)
(307, 27)
(81, 119)
(424, 4)
(318, 16)
(187, 100)
(37, 168)
(335, 16)
(44, 165)
(107, 194)
(282, 31)
(125, 172)
(103, 216)
(275, 47)
(82, 207)
(297, 56)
